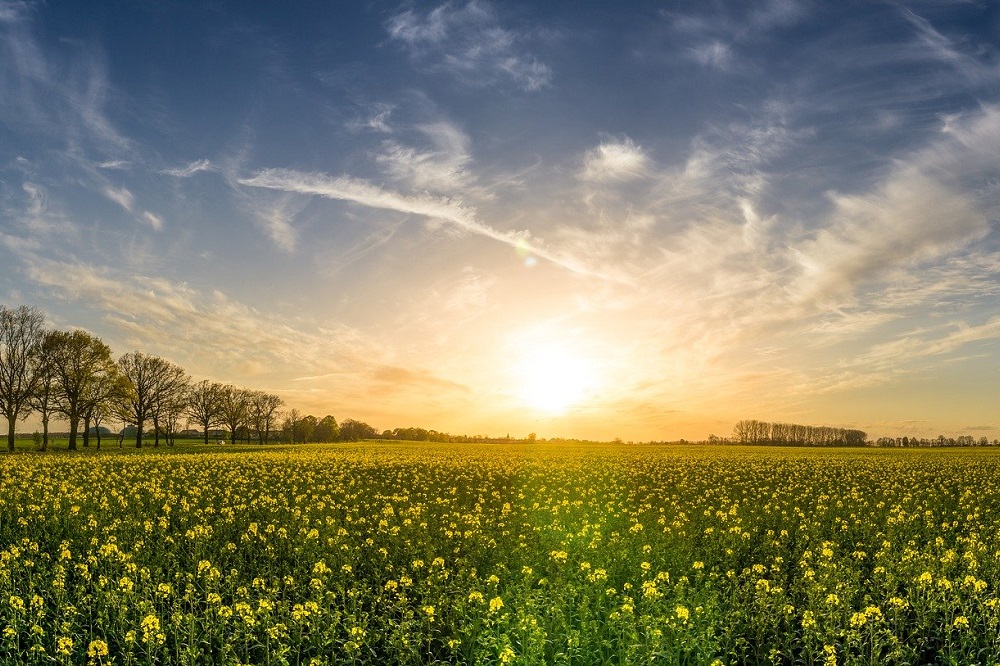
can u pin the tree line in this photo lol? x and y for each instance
(72, 375)
(940, 440)
(791, 434)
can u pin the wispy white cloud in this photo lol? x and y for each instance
(345, 188)
(88, 95)
(39, 218)
(442, 169)
(11, 11)
(469, 42)
(154, 220)
(114, 165)
(977, 63)
(713, 54)
(376, 119)
(531, 73)
(191, 169)
(121, 196)
(929, 206)
(713, 39)
(276, 220)
(899, 225)
(616, 161)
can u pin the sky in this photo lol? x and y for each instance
(644, 220)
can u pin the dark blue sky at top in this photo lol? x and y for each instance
(194, 73)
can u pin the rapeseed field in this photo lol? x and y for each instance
(477, 554)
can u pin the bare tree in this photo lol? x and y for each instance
(204, 405)
(143, 376)
(100, 405)
(21, 335)
(169, 397)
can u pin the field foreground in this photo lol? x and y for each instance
(410, 553)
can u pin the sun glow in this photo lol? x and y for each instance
(554, 378)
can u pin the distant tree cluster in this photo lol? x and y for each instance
(791, 434)
(423, 435)
(416, 435)
(940, 440)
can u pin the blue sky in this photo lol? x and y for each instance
(418, 213)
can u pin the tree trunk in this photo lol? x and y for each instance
(86, 432)
(156, 433)
(206, 433)
(138, 435)
(74, 423)
(97, 431)
(45, 433)
(10, 433)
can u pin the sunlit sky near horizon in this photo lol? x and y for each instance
(421, 214)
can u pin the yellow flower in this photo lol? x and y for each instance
(97, 649)
(151, 630)
(64, 645)
(496, 603)
(507, 655)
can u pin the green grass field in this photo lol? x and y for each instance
(410, 553)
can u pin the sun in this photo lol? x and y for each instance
(554, 378)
